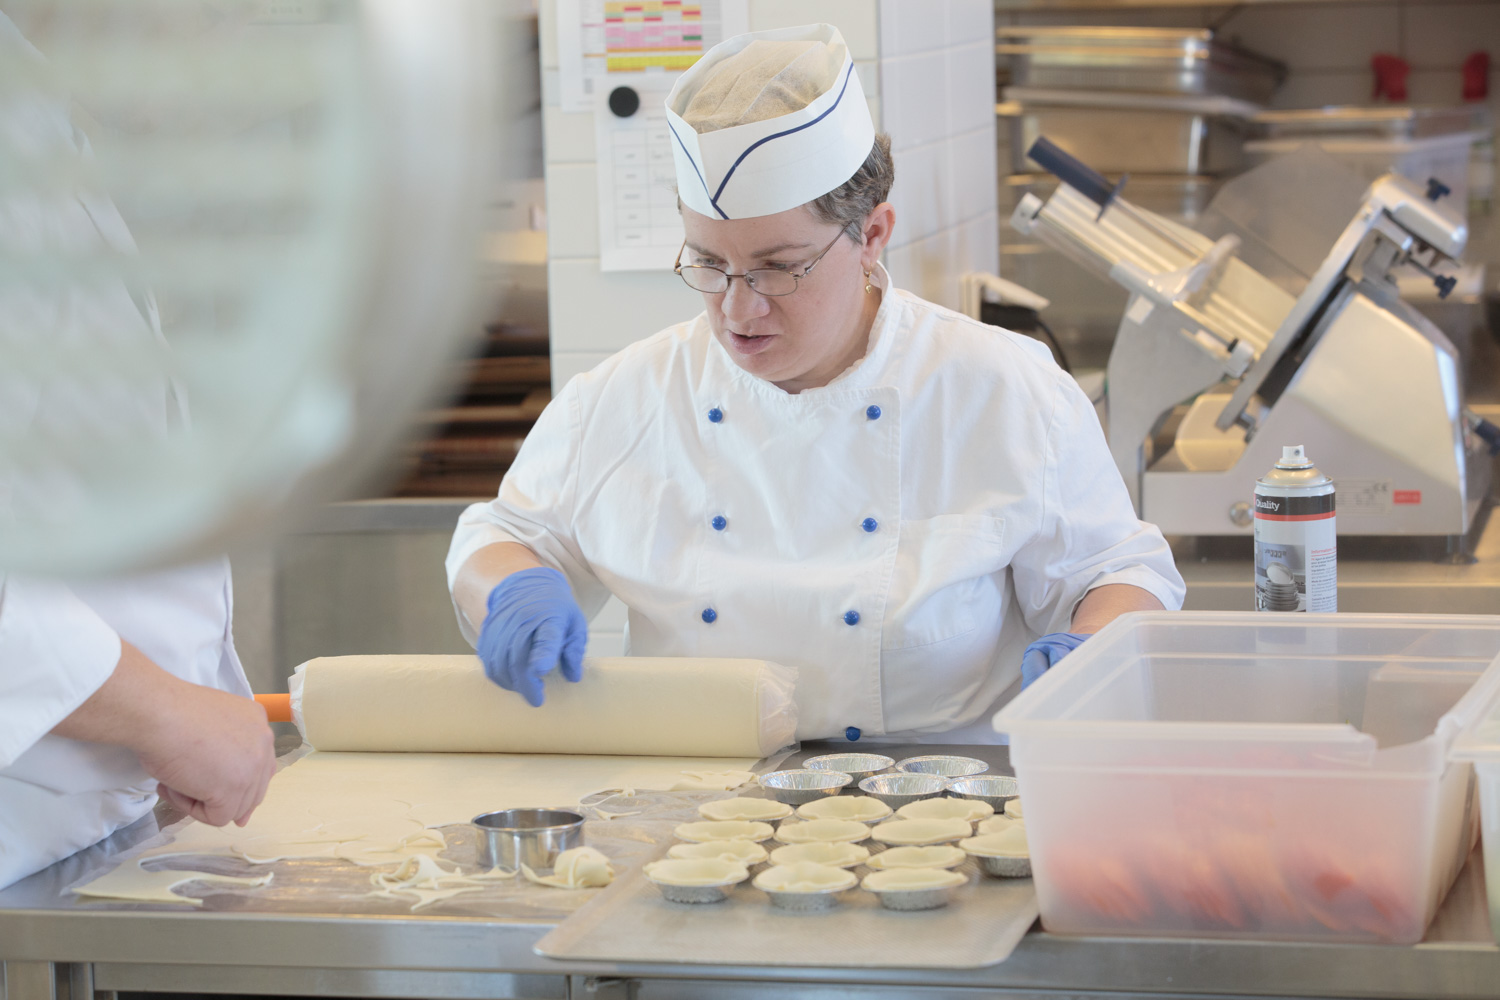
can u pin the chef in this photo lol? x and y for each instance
(111, 691)
(818, 469)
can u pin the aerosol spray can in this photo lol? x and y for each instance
(1296, 557)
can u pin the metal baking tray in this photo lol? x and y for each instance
(1353, 122)
(1159, 60)
(630, 922)
(1128, 133)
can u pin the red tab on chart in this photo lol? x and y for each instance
(1406, 496)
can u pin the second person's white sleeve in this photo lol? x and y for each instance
(536, 506)
(54, 653)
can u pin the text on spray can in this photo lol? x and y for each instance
(1296, 552)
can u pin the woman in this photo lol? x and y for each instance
(819, 469)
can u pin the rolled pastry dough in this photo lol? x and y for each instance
(936, 856)
(835, 855)
(921, 831)
(658, 707)
(855, 807)
(1013, 809)
(723, 829)
(743, 808)
(746, 852)
(823, 831)
(968, 810)
(696, 871)
(805, 876)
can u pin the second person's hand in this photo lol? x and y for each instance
(533, 626)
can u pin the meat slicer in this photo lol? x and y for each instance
(1343, 366)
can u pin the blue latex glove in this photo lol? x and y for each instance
(533, 625)
(1045, 653)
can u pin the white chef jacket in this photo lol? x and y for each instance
(58, 644)
(899, 535)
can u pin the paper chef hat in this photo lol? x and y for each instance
(768, 121)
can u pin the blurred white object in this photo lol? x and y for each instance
(290, 198)
(1312, 343)
(976, 288)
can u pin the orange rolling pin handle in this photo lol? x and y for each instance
(278, 706)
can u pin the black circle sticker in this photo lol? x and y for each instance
(624, 101)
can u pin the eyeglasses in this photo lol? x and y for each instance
(765, 280)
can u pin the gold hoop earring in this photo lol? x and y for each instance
(868, 289)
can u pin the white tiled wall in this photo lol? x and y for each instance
(937, 81)
(928, 72)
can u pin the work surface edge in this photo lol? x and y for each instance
(199, 946)
(211, 941)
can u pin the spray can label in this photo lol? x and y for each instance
(1296, 554)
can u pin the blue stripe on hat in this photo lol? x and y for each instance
(695, 168)
(714, 198)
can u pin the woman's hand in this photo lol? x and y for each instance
(211, 751)
(533, 626)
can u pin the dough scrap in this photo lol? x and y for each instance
(1008, 843)
(856, 807)
(417, 872)
(918, 832)
(745, 808)
(805, 876)
(579, 868)
(825, 831)
(834, 855)
(131, 881)
(935, 856)
(968, 810)
(746, 852)
(264, 850)
(909, 879)
(425, 897)
(1013, 809)
(711, 781)
(724, 829)
(696, 871)
(422, 876)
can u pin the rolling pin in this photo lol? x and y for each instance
(278, 706)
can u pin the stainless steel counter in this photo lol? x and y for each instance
(56, 950)
(1403, 575)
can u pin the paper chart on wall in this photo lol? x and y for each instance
(639, 227)
(604, 43)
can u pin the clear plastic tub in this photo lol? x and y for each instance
(1253, 775)
(1480, 743)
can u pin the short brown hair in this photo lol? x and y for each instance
(851, 203)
